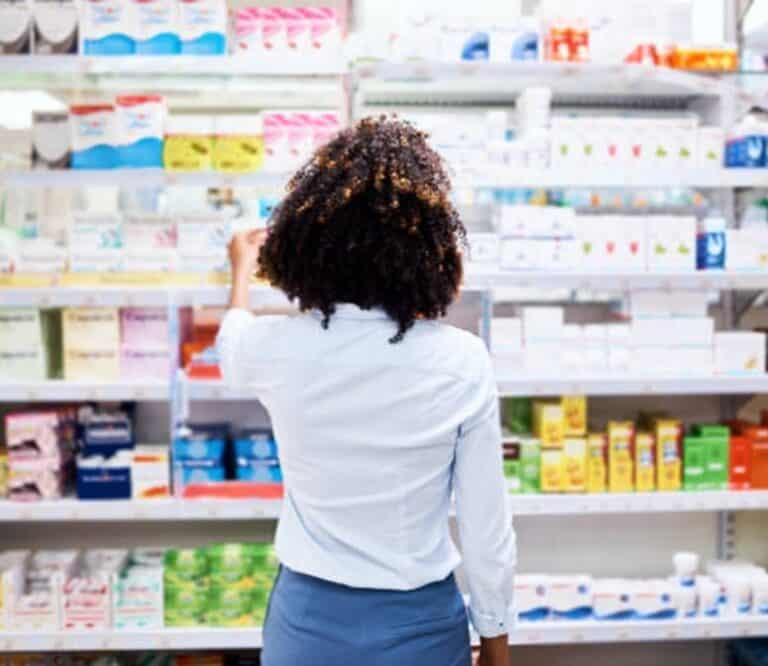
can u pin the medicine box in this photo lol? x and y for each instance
(669, 454)
(574, 415)
(597, 463)
(548, 423)
(620, 461)
(552, 470)
(575, 465)
(511, 452)
(645, 462)
(739, 352)
(530, 465)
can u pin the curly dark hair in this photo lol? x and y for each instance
(368, 221)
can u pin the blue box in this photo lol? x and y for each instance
(103, 483)
(199, 447)
(260, 471)
(747, 151)
(189, 475)
(255, 444)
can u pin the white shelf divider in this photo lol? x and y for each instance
(55, 390)
(532, 385)
(179, 510)
(481, 177)
(188, 65)
(530, 633)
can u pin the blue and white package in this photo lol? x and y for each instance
(532, 598)
(612, 600)
(570, 597)
(514, 41)
(461, 42)
(259, 471)
(711, 244)
(140, 121)
(156, 27)
(93, 136)
(255, 444)
(187, 475)
(203, 27)
(106, 27)
(747, 151)
(654, 600)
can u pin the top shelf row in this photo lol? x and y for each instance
(380, 82)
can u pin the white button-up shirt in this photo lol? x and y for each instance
(374, 437)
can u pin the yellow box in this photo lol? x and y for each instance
(645, 462)
(597, 463)
(187, 152)
(238, 153)
(548, 423)
(575, 463)
(91, 328)
(620, 467)
(552, 470)
(669, 459)
(98, 365)
(574, 415)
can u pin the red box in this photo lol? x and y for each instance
(740, 464)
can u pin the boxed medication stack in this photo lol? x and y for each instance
(86, 590)
(144, 344)
(137, 591)
(256, 457)
(202, 244)
(40, 449)
(95, 243)
(104, 464)
(149, 244)
(91, 344)
(30, 344)
(186, 583)
(739, 352)
(200, 454)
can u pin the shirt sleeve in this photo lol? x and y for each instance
(483, 513)
(240, 345)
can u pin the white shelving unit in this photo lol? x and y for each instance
(67, 391)
(481, 177)
(532, 633)
(179, 510)
(614, 385)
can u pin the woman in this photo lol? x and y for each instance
(381, 412)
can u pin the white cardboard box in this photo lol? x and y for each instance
(739, 352)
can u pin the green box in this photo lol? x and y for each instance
(185, 605)
(518, 415)
(718, 454)
(711, 430)
(694, 463)
(512, 465)
(186, 567)
(530, 465)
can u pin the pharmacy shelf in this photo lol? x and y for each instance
(657, 502)
(178, 510)
(188, 66)
(68, 391)
(533, 633)
(622, 281)
(609, 385)
(482, 177)
(138, 178)
(140, 511)
(597, 176)
(425, 82)
(536, 385)
(133, 296)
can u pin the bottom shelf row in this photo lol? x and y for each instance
(540, 633)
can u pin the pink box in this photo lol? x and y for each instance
(32, 436)
(144, 328)
(29, 484)
(145, 364)
(297, 29)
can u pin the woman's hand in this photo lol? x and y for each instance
(244, 258)
(244, 250)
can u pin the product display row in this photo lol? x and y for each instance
(225, 585)
(550, 448)
(48, 451)
(556, 239)
(136, 132)
(562, 32)
(728, 589)
(167, 27)
(535, 137)
(668, 333)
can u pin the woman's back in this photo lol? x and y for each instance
(368, 433)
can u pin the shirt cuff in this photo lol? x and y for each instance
(489, 625)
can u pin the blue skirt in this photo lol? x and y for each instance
(312, 621)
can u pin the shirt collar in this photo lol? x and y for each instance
(352, 311)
